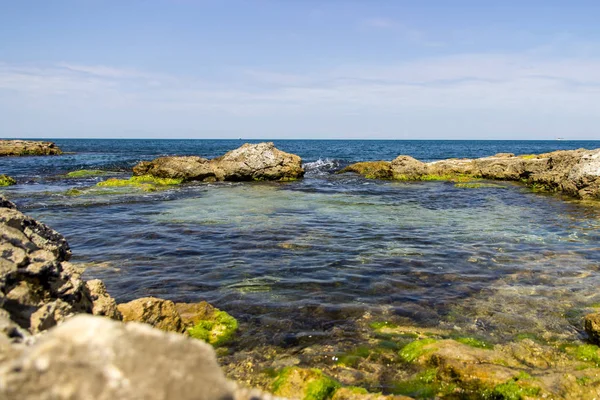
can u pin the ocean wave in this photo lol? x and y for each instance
(324, 166)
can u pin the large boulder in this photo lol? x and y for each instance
(39, 288)
(28, 148)
(96, 358)
(251, 162)
(262, 161)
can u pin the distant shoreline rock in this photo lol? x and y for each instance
(575, 173)
(250, 162)
(28, 148)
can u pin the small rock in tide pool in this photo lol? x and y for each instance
(591, 324)
(6, 180)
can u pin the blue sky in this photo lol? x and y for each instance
(340, 69)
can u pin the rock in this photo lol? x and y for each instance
(251, 162)
(6, 180)
(103, 304)
(370, 169)
(305, 384)
(95, 358)
(28, 148)
(362, 394)
(572, 172)
(259, 162)
(39, 288)
(591, 324)
(207, 323)
(153, 311)
(407, 168)
(187, 168)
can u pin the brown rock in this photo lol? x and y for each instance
(103, 303)
(155, 312)
(357, 394)
(187, 168)
(408, 168)
(28, 148)
(591, 324)
(371, 169)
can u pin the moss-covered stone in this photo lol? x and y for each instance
(423, 385)
(86, 173)
(207, 323)
(416, 349)
(74, 192)
(6, 180)
(305, 384)
(514, 389)
(145, 182)
(470, 341)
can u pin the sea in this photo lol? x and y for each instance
(297, 259)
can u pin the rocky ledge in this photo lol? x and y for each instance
(575, 173)
(251, 162)
(28, 148)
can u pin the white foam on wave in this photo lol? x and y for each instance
(322, 166)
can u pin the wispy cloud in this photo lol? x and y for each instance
(458, 87)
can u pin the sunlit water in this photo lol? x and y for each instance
(289, 259)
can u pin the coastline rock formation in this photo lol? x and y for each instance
(28, 148)
(38, 286)
(573, 172)
(251, 162)
(6, 180)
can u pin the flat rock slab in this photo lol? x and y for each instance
(28, 148)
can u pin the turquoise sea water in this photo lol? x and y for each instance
(296, 259)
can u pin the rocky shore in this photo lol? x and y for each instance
(28, 148)
(575, 173)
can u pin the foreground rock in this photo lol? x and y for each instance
(573, 172)
(6, 180)
(28, 148)
(251, 162)
(38, 286)
(95, 358)
(591, 324)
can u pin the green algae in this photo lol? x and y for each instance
(378, 325)
(478, 185)
(528, 156)
(470, 341)
(6, 180)
(353, 357)
(145, 182)
(86, 173)
(74, 192)
(309, 384)
(511, 390)
(217, 331)
(588, 353)
(424, 385)
(415, 349)
(434, 177)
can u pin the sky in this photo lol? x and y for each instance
(300, 69)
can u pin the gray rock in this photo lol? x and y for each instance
(95, 358)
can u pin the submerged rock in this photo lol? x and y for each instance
(370, 169)
(573, 172)
(305, 384)
(6, 180)
(262, 161)
(95, 358)
(28, 148)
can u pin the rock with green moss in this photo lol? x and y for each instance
(472, 185)
(591, 324)
(146, 183)
(304, 384)
(414, 350)
(86, 173)
(205, 322)
(6, 180)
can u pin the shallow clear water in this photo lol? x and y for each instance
(301, 257)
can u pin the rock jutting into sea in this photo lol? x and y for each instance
(250, 162)
(28, 148)
(575, 173)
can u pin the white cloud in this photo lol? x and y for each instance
(421, 94)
